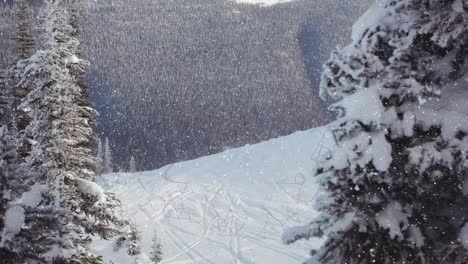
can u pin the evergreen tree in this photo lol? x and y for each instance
(7, 163)
(108, 166)
(131, 242)
(25, 42)
(55, 206)
(3, 97)
(7, 158)
(393, 184)
(156, 251)
(25, 38)
(132, 165)
(99, 157)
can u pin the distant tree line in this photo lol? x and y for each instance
(105, 160)
(175, 80)
(189, 78)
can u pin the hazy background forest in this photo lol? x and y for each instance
(176, 80)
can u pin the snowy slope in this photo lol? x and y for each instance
(226, 208)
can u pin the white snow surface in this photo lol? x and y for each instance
(457, 6)
(372, 16)
(92, 189)
(226, 208)
(13, 220)
(394, 219)
(33, 197)
(463, 237)
(263, 2)
(364, 105)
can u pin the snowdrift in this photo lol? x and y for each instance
(230, 207)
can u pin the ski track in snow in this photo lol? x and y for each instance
(230, 207)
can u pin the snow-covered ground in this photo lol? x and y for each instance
(226, 208)
(263, 2)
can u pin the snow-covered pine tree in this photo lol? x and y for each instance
(55, 206)
(393, 184)
(3, 97)
(131, 242)
(12, 119)
(99, 157)
(26, 46)
(7, 159)
(108, 166)
(132, 165)
(25, 38)
(156, 250)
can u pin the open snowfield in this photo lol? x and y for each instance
(226, 208)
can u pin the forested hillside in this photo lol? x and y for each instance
(205, 74)
(174, 80)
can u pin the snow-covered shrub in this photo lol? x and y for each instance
(393, 185)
